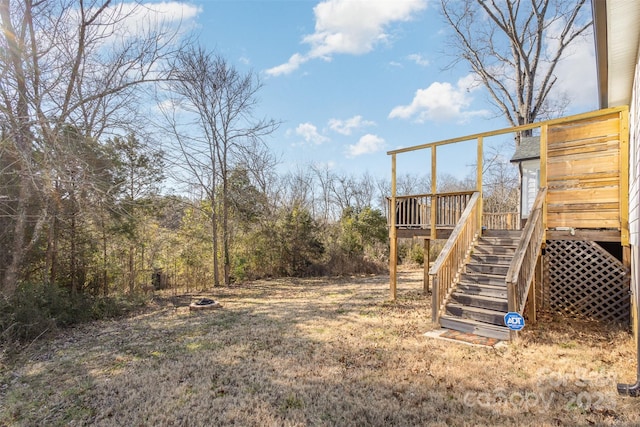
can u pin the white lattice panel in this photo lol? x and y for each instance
(583, 279)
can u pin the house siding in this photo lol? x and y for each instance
(634, 186)
(634, 159)
(530, 185)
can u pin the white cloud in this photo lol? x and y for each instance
(418, 59)
(310, 134)
(293, 64)
(345, 127)
(369, 143)
(441, 101)
(576, 73)
(349, 27)
(132, 19)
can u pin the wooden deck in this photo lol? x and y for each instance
(584, 166)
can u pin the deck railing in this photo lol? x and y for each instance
(453, 256)
(522, 269)
(416, 211)
(501, 220)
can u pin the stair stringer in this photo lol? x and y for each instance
(461, 270)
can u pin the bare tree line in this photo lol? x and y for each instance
(81, 196)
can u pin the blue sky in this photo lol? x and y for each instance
(352, 79)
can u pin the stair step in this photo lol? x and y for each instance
(483, 268)
(498, 241)
(473, 327)
(476, 313)
(494, 250)
(485, 279)
(481, 301)
(512, 234)
(501, 259)
(482, 290)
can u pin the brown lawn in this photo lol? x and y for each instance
(315, 352)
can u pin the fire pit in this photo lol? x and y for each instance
(204, 304)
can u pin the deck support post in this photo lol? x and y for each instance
(393, 235)
(626, 261)
(434, 196)
(425, 257)
(435, 308)
(543, 175)
(480, 154)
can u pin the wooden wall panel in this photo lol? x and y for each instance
(583, 174)
(593, 195)
(601, 126)
(567, 166)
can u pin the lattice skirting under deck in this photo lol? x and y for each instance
(582, 279)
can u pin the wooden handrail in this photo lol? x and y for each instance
(522, 269)
(450, 193)
(453, 256)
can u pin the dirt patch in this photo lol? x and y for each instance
(315, 352)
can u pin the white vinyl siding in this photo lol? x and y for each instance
(530, 185)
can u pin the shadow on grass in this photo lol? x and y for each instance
(299, 352)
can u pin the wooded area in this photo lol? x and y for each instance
(131, 160)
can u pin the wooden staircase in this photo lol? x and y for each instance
(479, 302)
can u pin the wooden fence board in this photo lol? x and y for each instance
(609, 179)
(567, 167)
(585, 195)
(605, 125)
(576, 207)
(578, 221)
(578, 147)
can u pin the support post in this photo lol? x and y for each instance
(434, 197)
(393, 235)
(434, 300)
(544, 129)
(425, 256)
(480, 151)
(626, 262)
(624, 177)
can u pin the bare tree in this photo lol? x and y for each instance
(216, 132)
(296, 189)
(412, 184)
(67, 62)
(514, 46)
(365, 191)
(324, 177)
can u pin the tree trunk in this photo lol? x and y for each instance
(225, 224)
(19, 135)
(214, 240)
(131, 269)
(105, 278)
(52, 250)
(73, 260)
(10, 280)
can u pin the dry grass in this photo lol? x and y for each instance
(315, 352)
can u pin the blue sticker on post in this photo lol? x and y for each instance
(514, 321)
